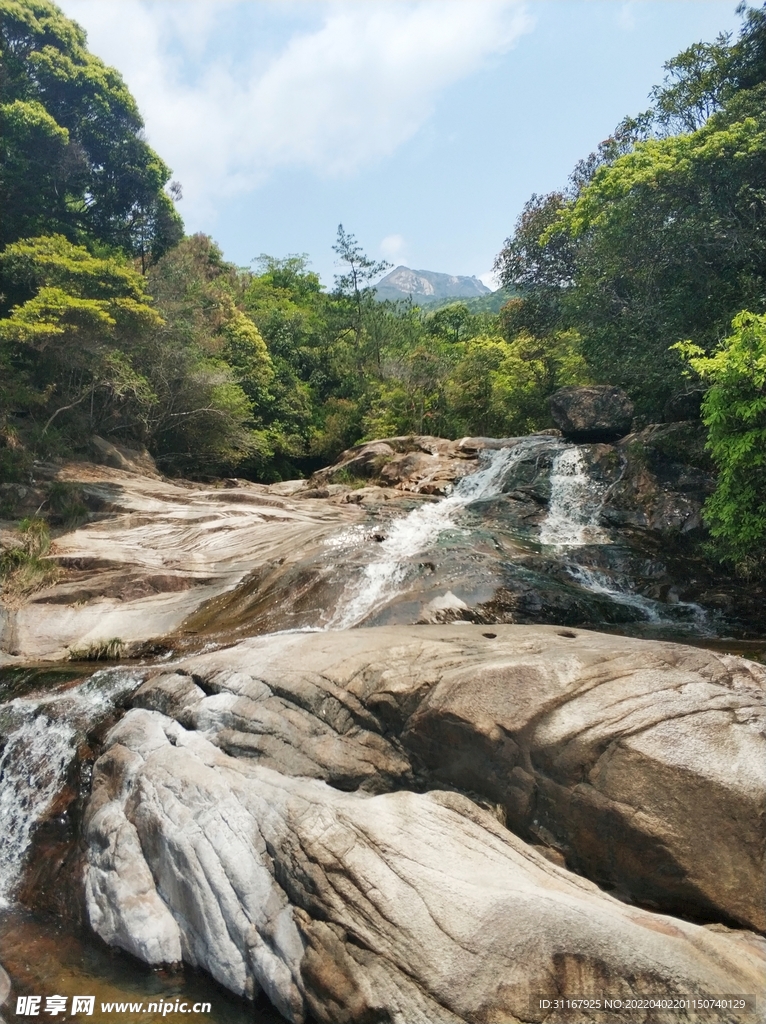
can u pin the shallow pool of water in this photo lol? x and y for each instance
(45, 957)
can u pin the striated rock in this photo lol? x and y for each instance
(596, 412)
(404, 907)
(581, 535)
(157, 552)
(642, 763)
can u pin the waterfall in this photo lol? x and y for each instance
(683, 615)
(416, 532)
(600, 583)
(41, 737)
(572, 521)
(575, 504)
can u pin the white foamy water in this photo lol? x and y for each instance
(41, 739)
(575, 504)
(682, 615)
(600, 583)
(416, 532)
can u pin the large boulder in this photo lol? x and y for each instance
(404, 907)
(418, 463)
(642, 764)
(597, 412)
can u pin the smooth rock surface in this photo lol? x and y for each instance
(407, 908)
(157, 551)
(118, 457)
(642, 763)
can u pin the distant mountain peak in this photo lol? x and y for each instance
(428, 286)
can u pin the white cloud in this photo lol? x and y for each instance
(491, 280)
(392, 247)
(332, 99)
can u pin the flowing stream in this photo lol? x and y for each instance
(574, 521)
(572, 532)
(575, 505)
(414, 533)
(41, 735)
(41, 731)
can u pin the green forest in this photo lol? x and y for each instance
(647, 270)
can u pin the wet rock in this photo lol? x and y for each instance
(596, 412)
(404, 907)
(663, 479)
(444, 608)
(5, 985)
(684, 406)
(643, 763)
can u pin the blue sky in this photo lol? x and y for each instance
(421, 125)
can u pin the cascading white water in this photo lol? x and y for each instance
(575, 504)
(415, 532)
(41, 739)
(573, 520)
(682, 615)
(600, 583)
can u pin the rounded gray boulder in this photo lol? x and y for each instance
(596, 412)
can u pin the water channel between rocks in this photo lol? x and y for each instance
(381, 575)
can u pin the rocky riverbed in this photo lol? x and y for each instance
(472, 804)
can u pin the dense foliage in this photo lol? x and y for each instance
(74, 161)
(734, 411)
(661, 234)
(657, 244)
(113, 324)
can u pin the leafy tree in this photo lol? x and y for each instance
(671, 243)
(73, 160)
(734, 411)
(697, 83)
(501, 388)
(70, 346)
(660, 234)
(450, 322)
(207, 364)
(539, 266)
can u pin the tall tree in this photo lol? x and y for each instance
(355, 283)
(73, 160)
(662, 235)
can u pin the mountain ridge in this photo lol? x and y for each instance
(426, 286)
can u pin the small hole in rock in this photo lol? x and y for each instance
(569, 634)
(489, 636)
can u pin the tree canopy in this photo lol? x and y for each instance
(646, 269)
(73, 160)
(660, 235)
